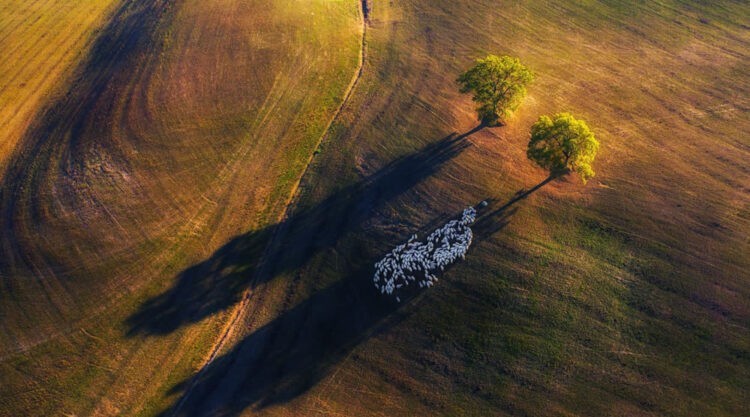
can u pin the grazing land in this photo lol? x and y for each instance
(185, 124)
(153, 262)
(41, 40)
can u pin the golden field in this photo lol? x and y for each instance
(146, 214)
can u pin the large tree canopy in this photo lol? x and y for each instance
(499, 85)
(562, 144)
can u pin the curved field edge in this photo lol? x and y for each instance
(99, 362)
(626, 296)
(278, 233)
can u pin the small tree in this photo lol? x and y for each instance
(499, 86)
(562, 144)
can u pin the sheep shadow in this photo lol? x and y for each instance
(218, 282)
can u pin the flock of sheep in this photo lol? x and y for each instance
(416, 261)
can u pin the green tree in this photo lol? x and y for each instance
(562, 144)
(498, 84)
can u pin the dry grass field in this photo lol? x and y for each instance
(41, 41)
(186, 123)
(627, 296)
(141, 207)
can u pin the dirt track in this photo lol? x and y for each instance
(279, 232)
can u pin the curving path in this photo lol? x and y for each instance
(280, 231)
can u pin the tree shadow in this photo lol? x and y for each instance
(291, 354)
(218, 282)
(495, 216)
(288, 356)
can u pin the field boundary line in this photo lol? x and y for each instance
(279, 229)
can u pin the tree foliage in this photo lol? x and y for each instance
(561, 144)
(498, 84)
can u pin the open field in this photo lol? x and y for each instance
(41, 40)
(157, 183)
(624, 297)
(186, 124)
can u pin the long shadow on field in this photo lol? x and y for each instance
(286, 357)
(218, 282)
(495, 216)
(295, 351)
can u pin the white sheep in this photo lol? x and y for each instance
(442, 247)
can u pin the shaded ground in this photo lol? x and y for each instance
(592, 301)
(150, 159)
(217, 283)
(286, 357)
(626, 296)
